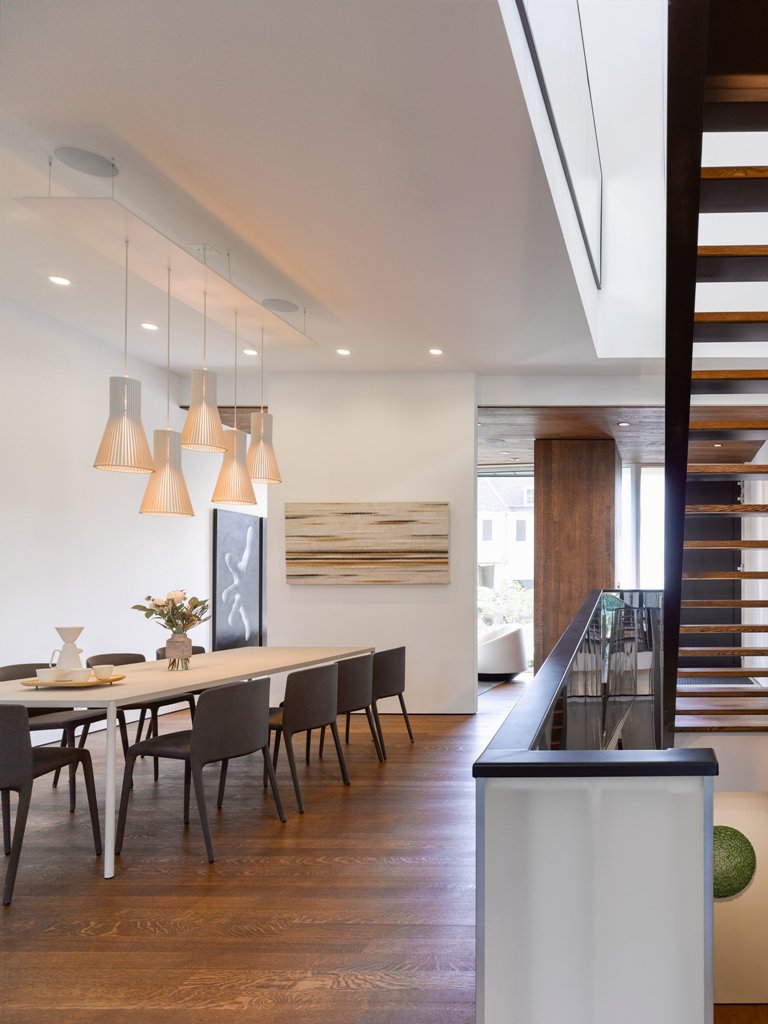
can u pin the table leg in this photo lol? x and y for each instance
(109, 802)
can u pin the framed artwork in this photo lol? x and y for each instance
(386, 542)
(238, 609)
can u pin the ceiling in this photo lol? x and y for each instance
(371, 161)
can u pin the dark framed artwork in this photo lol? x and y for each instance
(238, 617)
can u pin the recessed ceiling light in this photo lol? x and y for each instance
(250, 352)
(59, 280)
(343, 352)
(718, 444)
(435, 351)
(150, 327)
(623, 423)
(514, 460)
(280, 305)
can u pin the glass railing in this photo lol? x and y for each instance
(554, 34)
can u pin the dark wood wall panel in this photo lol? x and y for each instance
(575, 514)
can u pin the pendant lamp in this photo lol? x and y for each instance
(234, 486)
(202, 431)
(166, 493)
(262, 461)
(124, 447)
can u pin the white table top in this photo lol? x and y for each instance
(151, 679)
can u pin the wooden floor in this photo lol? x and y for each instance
(742, 1014)
(361, 910)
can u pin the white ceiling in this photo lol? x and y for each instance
(370, 160)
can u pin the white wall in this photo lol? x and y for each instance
(381, 437)
(73, 548)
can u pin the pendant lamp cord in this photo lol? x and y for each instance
(168, 357)
(50, 171)
(262, 382)
(205, 330)
(236, 370)
(125, 323)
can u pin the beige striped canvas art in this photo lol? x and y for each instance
(391, 542)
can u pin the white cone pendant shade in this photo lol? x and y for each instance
(124, 447)
(234, 486)
(262, 462)
(166, 493)
(203, 431)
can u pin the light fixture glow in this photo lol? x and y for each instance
(150, 327)
(202, 430)
(250, 352)
(63, 281)
(435, 351)
(717, 444)
(343, 352)
(262, 461)
(623, 423)
(124, 447)
(234, 486)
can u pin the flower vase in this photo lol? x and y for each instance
(178, 651)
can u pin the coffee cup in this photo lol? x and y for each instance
(103, 671)
(79, 675)
(47, 675)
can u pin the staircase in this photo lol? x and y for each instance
(720, 617)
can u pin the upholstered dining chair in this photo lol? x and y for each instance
(310, 702)
(62, 720)
(389, 681)
(151, 708)
(355, 694)
(231, 721)
(20, 765)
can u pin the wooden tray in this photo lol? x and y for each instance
(70, 683)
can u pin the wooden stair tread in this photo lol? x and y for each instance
(716, 545)
(724, 673)
(722, 470)
(721, 723)
(733, 173)
(741, 251)
(726, 510)
(725, 574)
(724, 627)
(722, 705)
(718, 603)
(744, 693)
(732, 316)
(723, 652)
(730, 374)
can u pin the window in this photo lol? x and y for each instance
(520, 531)
(487, 529)
(528, 496)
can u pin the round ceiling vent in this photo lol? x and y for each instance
(280, 305)
(85, 161)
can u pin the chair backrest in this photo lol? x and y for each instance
(15, 747)
(231, 721)
(310, 698)
(114, 659)
(388, 672)
(24, 670)
(355, 683)
(160, 652)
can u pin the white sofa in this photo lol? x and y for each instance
(501, 653)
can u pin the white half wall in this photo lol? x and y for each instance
(381, 437)
(73, 548)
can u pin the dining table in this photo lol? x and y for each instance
(151, 680)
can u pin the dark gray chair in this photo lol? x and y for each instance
(20, 765)
(310, 703)
(389, 681)
(231, 721)
(355, 694)
(56, 719)
(151, 708)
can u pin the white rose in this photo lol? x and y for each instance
(177, 596)
(157, 602)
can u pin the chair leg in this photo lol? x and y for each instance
(123, 725)
(322, 740)
(377, 720)
(222, 782)
(72, 772)
(405, 716)
(156, 732)
(124, 795)
(187, 778)
(191, 701)
(346, 727)
(197, 779)
(278, 734)
(340, 752)
(57, 773)
(84, 734)
(309, 745)
(25, 795)
(294, 776)
(374, 734)
(5, 796)
(270, 771)
(93, 805)
(140, 726)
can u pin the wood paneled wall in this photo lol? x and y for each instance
(576, 515)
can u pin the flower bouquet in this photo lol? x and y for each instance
(178, 614)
